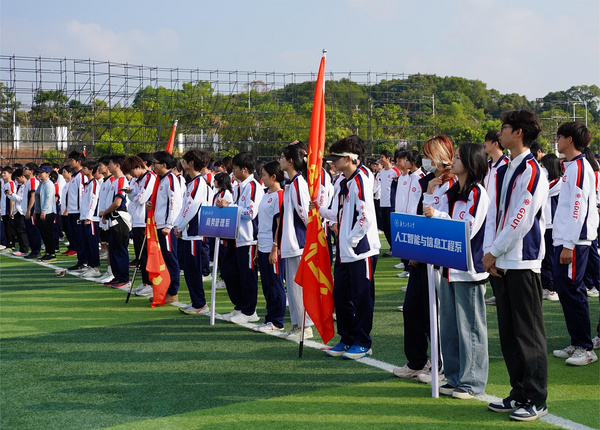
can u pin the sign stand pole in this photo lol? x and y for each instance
(213, 291)
(433, 333)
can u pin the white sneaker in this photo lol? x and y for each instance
(491, 301)
(242, 318)
(404, 288)
(596, 342)
(108, 275)
(425, 377)
(399, 265)
(267, 327)
(593, 292)
(564, 353)
(308, 334)
(104, 255)
(220, 284)
(404, 274)
(407, 372)
(145, 291)
(138, 288)
(92, 272)
(552, 296)
(190, 310)
(581, 357)
(228, 316)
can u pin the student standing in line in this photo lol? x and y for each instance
(33, 234)
(8, 208)
(514, 247)
(66, 174)
(119, 223)
(186, 227)
(292, 234)
(269, 257)
(104, 201)
(168, 207)
(140, 191)
(357, 252)
(591, 278)
(239, 269)
(463, 326)
(19, 215)
(494, 149)
(74, 196)
(90, 219)
(575, 227)
(551, 164)
(386, 176)
(45, 207)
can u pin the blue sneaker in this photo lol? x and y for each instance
(355, 352)
(337, 350)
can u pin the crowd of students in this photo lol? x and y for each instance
(533, 233)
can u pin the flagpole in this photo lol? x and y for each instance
(301, 346)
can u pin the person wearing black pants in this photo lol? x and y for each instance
(45, 207)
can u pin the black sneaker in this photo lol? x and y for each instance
(505, 405)
(529, 412)
(447, 389)
(133, 263)
(48, 257)
(78, 267)
(32, 256)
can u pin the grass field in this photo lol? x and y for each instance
(75, 356)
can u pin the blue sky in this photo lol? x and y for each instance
(529, 47)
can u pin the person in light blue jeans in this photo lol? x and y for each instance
(463, 326)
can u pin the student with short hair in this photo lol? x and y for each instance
(8, 208)
(168, 207)
(19, 215)
(90, 219)
(73, 203)
(45, 212)
(386, 177)
(119, 224)
(514, 247)
(186, 225)
(239, 270)
(575, 227)
(104, 201)
(357, 252)
(33, 233)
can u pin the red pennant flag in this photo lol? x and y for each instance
(314, 272)
(156, 267)
(171, 142)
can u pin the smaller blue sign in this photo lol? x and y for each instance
(219, 222)
(438, 241)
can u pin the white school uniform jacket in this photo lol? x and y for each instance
(189, 218)
(295, 217)
(89, 202)
(552, 201)
(385, 179)
(268, 214)
(576, 217)
(248, 196)
(29, 188)
(514, 232)
(104, 199)
(18, 198)
(168, 201)
(357, 226)
(492, 173)
(408, 191)
(376, 186)
(473, 210)
(141, 193)
(6, 200)
(182, 184)
(75, 192)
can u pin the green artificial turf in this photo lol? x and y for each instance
(74, 356)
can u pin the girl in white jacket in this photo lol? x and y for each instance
(463, 330)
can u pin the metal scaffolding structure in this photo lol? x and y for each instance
(52, 104)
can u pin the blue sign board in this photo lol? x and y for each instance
(438, 241)
(219, 222)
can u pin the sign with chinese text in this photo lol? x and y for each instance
(437, 241)
(219, 222)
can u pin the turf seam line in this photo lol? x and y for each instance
(387, 367)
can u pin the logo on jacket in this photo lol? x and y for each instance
(270, 200)
(462, 215)
(436, 200)
(527, 201)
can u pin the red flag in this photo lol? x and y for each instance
(171, 142)
(314, 272)
(156, 267)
